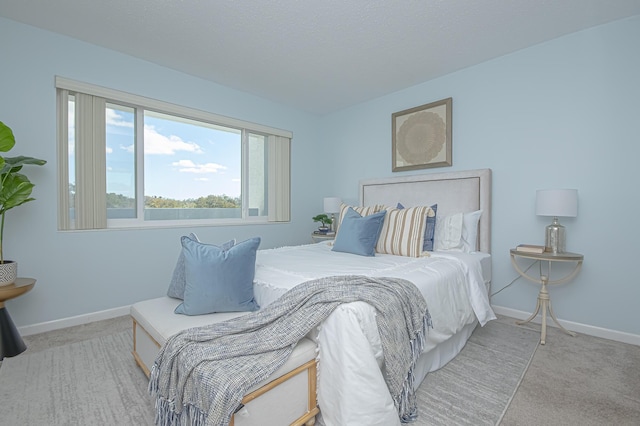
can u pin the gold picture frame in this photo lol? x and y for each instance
(421, 137)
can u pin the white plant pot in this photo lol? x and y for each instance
(8, 272)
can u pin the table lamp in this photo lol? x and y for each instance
(556, 203)
(332, 206)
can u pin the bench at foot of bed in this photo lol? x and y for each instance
(288, 396)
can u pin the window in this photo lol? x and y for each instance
(129, 161)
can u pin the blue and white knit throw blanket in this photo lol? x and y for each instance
(201, 375)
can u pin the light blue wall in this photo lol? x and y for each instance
(83, 272)
(563, 114)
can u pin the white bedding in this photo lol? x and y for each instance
(351, 387)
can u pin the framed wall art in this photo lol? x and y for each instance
(421, 137)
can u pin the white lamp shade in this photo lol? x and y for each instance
(557, 202)
(332, 204)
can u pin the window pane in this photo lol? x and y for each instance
(257, 175)
(121, 162)
(159, 162)
(71, 130)
(192, 169)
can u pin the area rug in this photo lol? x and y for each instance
(475, 388)
(96, 382)
(92, 382)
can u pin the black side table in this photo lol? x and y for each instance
(11, 343)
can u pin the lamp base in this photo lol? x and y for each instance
(555, 237)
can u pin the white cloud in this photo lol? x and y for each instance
(188, 166)
(109, 150)
(115, 119)
(155, 143)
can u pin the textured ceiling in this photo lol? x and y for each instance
(318, 56)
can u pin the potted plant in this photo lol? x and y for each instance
(15, 190)
(324, 221)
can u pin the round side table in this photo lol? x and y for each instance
(544, 301)
(322, 237)
(11, 343)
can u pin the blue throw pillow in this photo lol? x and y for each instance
(429, 230)
(218, 280)
(176, 286)
(359, 234)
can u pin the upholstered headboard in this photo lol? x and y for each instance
(454, 192)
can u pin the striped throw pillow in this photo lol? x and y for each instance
(403, 231)
(429, 230)
(363, 211)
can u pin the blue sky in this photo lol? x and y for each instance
(182, 159)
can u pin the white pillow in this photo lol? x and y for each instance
(448, 235)
(470, 231)
(457, 232)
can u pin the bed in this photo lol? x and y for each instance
(351, 387)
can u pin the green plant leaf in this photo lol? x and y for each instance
(15, 188)
(7, 140)
(322, 218)
(14, 164)
(16, 191)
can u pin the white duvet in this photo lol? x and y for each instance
(351, 387)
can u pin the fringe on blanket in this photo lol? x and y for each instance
(166, 414)
(406, 402)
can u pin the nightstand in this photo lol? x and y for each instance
(11, 344)
(544, 301)
(322, 237)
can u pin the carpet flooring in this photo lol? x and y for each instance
(582, 381)
(476, 387)
(92, 382)
(65, 379)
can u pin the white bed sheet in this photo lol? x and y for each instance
(351, 386)
(281, 269)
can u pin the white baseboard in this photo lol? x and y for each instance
(42, 327)
(590, 330)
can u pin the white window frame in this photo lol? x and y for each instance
(278, 145)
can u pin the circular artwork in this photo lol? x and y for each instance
(421, 138)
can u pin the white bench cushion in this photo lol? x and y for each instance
(157, 318)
